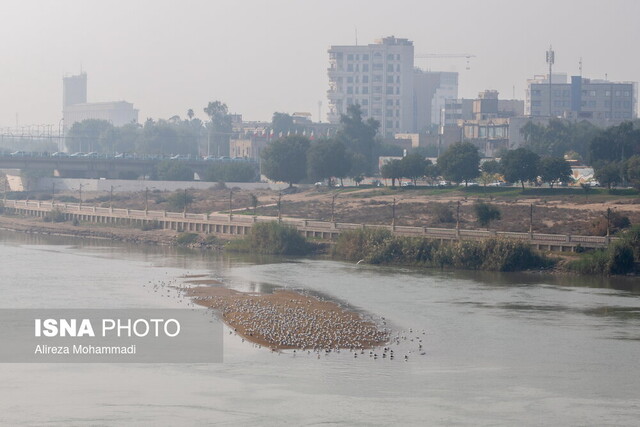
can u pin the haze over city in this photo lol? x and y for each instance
(259, 57)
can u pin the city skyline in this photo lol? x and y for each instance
(259, 57)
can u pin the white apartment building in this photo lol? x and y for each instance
(378, 77)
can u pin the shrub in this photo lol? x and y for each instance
(486, 213)
(185, 239)
(180, 200)
(618, 258)
(443, 213)
(272, 238)
(617, 222)
(150, 225)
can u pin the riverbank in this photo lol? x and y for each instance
(288, 319)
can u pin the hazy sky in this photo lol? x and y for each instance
(271, 55)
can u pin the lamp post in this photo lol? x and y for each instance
(458, 216)
(279, 206)
(531, 219)
(333, 207)
(230, 205)
(80, 195)
(53, 193)
(393, 213)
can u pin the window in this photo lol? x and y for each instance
(398, 68)
(350, 67)
(389, 90)
(397, 113)
(377, 67)
(349, 89)
(364, 102)
(618, 93)
(398, 79)
(365, 90)
(349, 101)
(536, 92)
(397, 102)
(390, 79)
(365, 68)
(389, 102)
(627, 93)
(398, 57)
(592, 93)
(357, 57)
(390, 57)
(607, 104)
(592, 104)
(389, 68)
(377, 78)
(397, 91)
(377, 89)
(377, 112)
(365, 79)
(350, 57)
(607, 93)
(626, 104)
(389, 123)
(389, 113)
(365, 57)
(349, 79)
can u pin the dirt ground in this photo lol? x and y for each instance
(556, 213)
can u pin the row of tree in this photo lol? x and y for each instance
(461, 163)
(353, 152)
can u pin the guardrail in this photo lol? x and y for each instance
(232, 223)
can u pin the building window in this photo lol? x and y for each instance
(607, 93)
(350, 67)
(377, 67)
(389, 68)
(626, 104)
(365, 57)
(349, 89)
(607, 104)
(592, 104)
(390, 57)
(350, 57)
(627, 93)
(377, 112)
(389, 90)
(397, 91)
(365, 90)
(349, 101)
(377, 89)
(365, 102)
(592, 93)
(365, 79)
(390, 79)
(389, 113)
(389, 123)
(365, 68)
(377, 78)
(618, 93)
(349, 79)
(389, 102)
(536, 92)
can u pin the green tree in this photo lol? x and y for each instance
(555, 169)
(180, 200)
(616, 143)
(431, 172)
(359, 137)
(286, 159)
(392, 170)
(632, 170)
(326, 159)
(460, 163)
(282, 123)
(490, 167)
(89, 135)
(609, 174)
(219, 127)
(173, 170)
(414, 166)
(485, 213)
(521, 165)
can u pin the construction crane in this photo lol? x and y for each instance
(467, 56)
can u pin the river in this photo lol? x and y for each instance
(501, 349)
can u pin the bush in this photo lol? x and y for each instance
(150, 225)
(617, 222)
(185, 239)
(180, 200)
(55, 215)
(618, 258)
(443, 213)
(272, 238)
(380, 247)
(486, 213)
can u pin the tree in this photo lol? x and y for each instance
(282, 123)
(490, 167)
(359, 137)
(555, 169)
(616, 143)
(460, 162)
(609, 174)
(190, 113)
(326, 159)
(173, 170)
(89, 135)
(219, 126)
(521, 165)
(180, 200)
(486, 213)
(431, 172)
(392, 170)
(286, 159)
(632, 170)
(242, 171)
(414, 167)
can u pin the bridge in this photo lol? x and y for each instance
(94, 167)
(231, 225)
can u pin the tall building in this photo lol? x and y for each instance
(377, 76)
(74, 90)
(75, 107)
(581, 98)
(432, 89)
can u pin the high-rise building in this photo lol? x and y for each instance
(378, 77)
(74, 90)
(582, 98)
(75, 107)
(432, 89)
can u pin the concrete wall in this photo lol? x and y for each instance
(121, 185)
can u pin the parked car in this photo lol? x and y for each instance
(78, 154)
(19, 154)
(59, 154)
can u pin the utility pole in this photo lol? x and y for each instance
(531, 219)
(146, 199)
(80, 191)
(111, 198)
(458, 216)
(184, 209)
(53, 193)
(230, 205)
(279, 206)
(608, 222)
(551, 58)
(333, 207)
(393, 213)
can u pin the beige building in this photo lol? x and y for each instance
(250, 147)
